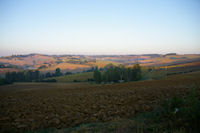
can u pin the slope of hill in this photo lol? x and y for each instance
(66, 67)
(78, 63)
(28, 60)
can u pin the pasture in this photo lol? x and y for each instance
(79, 77)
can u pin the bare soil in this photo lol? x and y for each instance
(30, 106)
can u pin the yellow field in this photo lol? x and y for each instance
(102, 64)
(64, 66)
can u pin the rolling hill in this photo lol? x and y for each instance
(79, 63)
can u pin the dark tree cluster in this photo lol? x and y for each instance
(55, 74)
(58, 72)
(3, 81)
(97, 75)
(29, 76)
(22, 76)
(91, 69)
(113, 73)
(68, 73)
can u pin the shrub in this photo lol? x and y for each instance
(76, 80)
(4, 81)
(47, 80)
(90, 80)
(181, 112)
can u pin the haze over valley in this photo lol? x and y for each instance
(99, 66)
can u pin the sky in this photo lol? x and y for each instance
(94, 27)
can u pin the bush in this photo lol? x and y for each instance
(47, 80)
(90, 80)
(178, 114)
(75, 80)
(181, 112)
(4, 81)
(68, 73)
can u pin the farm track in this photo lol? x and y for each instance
(30, 106)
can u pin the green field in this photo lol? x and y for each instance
(163, 72)
(154, 74)
(79, 77)
(83, 77)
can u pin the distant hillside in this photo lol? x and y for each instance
(28, 60)
(78, 63)
(66, 67)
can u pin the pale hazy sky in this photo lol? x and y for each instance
(99, 26)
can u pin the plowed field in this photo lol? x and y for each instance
(30, 106)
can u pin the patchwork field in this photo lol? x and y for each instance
(30, 106)
(65, 67)
(79, 63)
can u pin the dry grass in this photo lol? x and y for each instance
(37, 58)
(102, 63)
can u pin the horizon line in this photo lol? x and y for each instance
(99, 54)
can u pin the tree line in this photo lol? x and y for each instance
(117, 74)
(109, 73)
(22, 76)
(29, 76)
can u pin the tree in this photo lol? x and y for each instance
(8, 77)
(122, 71)
(48, 74)
(108, 66)
(127, 74)
(97, 75)
(116, 74)
(4, 81)
(68, 73)
(58, 72)
(20, 76)
(13, 76)
(136, 73)
(29, 75)
(36, 75)
(105, 76)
